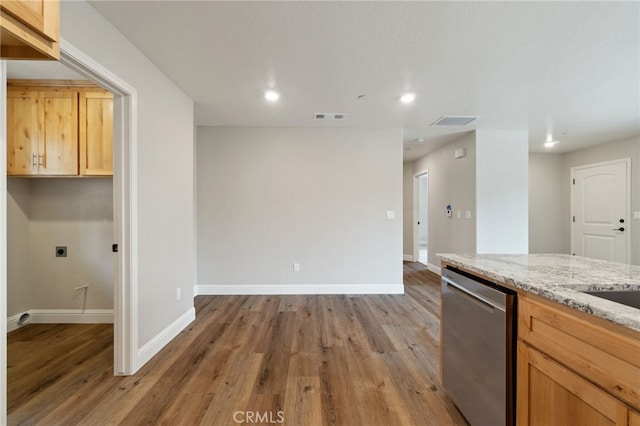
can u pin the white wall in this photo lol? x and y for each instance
(165, 186)
(269, 197)
(451, 181)
(19, 294)
(547, 218)
(77, 213)
(502, 187)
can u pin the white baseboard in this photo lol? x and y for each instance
(407, 258)
(71, 316)
(12, 323)
(62, 316)
(435, 269)
(264, 289)
(153, 346)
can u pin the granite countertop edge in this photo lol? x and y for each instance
(566, 289)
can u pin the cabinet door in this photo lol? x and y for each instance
(59, 145)
(24, 132)
(551, 394)
(30, 29)
(96, 133)
(634, 418)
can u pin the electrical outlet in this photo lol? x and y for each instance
(178, 293)
(636, 215)
(61, 251)
(296, 267)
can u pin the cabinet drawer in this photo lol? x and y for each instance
(607, 356)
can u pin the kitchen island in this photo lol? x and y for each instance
(578, 355)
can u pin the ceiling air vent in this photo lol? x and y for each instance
(329, 116)
(453, 120)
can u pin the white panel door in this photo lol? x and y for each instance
(600, 206)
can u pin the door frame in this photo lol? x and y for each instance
(416, 213)
(125, 217)
(627, 162)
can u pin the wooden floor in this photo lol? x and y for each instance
(294, 360)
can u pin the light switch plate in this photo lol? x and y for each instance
(391, 214)
(467, 214)
(636, 215)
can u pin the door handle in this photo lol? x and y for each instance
(621, 229)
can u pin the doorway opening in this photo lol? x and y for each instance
(421, 218)
(126, 360)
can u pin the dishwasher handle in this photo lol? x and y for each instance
(473, 295)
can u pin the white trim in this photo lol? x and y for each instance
(435, 269)
(416, 214)
(263, 289)
(71, 316)
(12, 323)
(124, 203)
(407, 258)
(627, 162)
(155, 345)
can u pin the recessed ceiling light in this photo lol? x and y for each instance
(407, 98)
(550, 144)
(271, 95)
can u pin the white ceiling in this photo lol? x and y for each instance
(566, 68)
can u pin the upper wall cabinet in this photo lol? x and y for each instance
(30, 29)
(96, 133)
(42, 133)
(59, 131)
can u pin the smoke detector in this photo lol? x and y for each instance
(453, 120)
(329, 116)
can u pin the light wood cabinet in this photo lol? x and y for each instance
(573, 369)
(558, 396)
(42, 133)
(59, 131)
(30, 29)
(96, 133)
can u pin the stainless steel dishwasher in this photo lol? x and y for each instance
(478, 348)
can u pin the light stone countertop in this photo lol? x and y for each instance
(561, 278)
